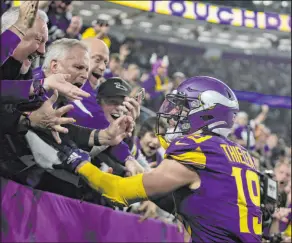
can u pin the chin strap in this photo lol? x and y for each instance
(163, 142)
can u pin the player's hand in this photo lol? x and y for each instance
(133, 107)
(60, 83)
(133, 167)
(281, 214)
(148, 210)
(71, 156)
(27, 15)
(117, 131)
(47, 117)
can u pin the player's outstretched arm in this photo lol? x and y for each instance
(167, 177)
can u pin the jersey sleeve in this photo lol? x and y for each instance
(188, 151)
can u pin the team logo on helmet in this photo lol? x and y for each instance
(195, 104)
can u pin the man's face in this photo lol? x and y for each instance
(150, 143)
(161, 71)
(114, 65)
(110, 107)
(99, 57)
(34, 41)
(61, 6)
(102, 27)
(75, 63)
(133, 74)
(282, 175)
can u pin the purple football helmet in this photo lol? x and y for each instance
(199, 104)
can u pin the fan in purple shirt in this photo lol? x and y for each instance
(18, 52)
(59, 19)
(158, 83)
(90, 113)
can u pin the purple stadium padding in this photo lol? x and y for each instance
(274, 101)
(29, 215)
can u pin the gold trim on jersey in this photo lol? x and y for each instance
(197, 157)
(164, 144)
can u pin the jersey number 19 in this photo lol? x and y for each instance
(251, 177)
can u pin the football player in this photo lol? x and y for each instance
(212, 181)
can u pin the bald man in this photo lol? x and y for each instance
(89, 113)
(99, 58)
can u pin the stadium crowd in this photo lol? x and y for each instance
(102, 85)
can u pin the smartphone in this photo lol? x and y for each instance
(140, 94)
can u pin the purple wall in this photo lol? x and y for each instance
(29, 215)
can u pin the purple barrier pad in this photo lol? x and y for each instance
(29, 215)
(274, 101)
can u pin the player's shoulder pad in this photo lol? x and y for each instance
(188, 150)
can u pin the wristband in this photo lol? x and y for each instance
(39, 90)
(96, 139)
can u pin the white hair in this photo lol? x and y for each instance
(10, 17)
(59, 49)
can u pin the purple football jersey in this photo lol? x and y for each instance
(226, 206)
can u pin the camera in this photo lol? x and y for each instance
(274, 238)
(269, 196)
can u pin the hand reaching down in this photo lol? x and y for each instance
(47, 117)
(60, 83)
